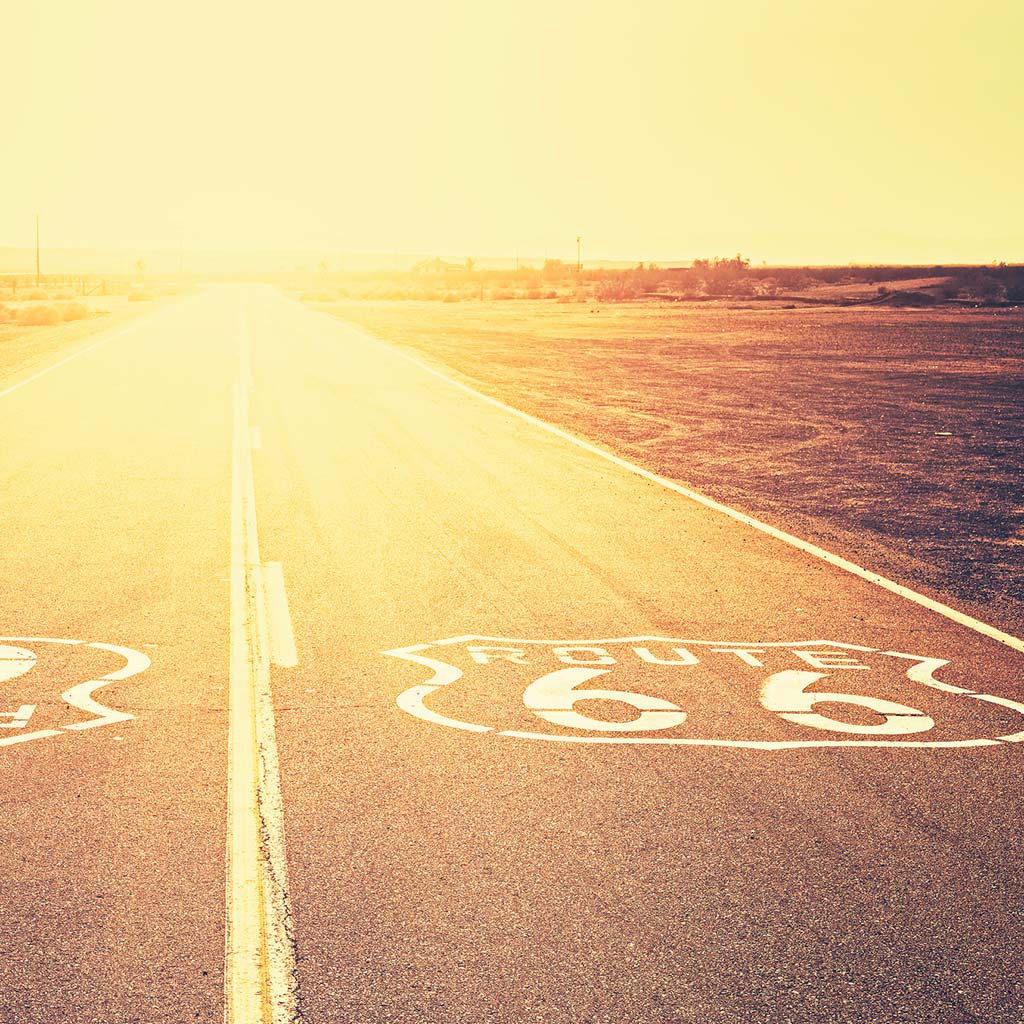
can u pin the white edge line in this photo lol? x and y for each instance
(961, 618)
(106, 338)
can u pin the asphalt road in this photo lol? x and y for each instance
(591, 781)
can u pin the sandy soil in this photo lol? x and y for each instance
(891, 436)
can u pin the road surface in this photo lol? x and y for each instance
(332, 691)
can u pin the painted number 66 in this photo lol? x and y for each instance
(553, 697)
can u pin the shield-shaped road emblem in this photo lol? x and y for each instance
(657, 690)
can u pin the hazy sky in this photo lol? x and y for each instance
(790, 130)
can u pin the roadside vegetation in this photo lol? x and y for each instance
(705, 280)
(38, 320)
(45, 314)
(59, 299)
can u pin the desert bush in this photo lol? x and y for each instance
(974, 283)
(39, 315)
(452, 297)
(139, 297)
(503, 293)
(37, 294)
(75, 311)
(616, 290)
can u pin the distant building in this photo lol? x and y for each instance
(436, 265)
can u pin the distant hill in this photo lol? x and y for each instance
(22, 260)
(169, 261)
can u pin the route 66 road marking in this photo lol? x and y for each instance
(814, 693)
(19, 658)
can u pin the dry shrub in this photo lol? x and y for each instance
(452, 297)
(37, 294)
(617, 291)
(39, 315)
(75, 311)
(504, 293)
(140, 297)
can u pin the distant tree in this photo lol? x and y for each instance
(724, 276)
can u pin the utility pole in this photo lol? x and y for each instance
(37, 251)
(579, 261)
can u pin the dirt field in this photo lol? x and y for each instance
(891, 436)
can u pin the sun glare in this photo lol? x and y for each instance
(795, 132)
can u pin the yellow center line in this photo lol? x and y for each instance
(259, 985)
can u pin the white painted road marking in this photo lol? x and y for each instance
(107, 337)
(259, 978)
(14, 662)
(18, 718)
(786, 694)
(552, 696)
(282, 636)
(845, 564)
(80, 696)
(61, 362)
